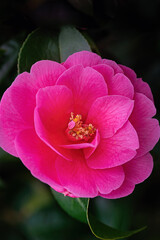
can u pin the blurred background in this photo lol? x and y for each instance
(127, 31)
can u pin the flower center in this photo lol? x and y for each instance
(77, 130)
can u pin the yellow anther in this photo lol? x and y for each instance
(77, 130)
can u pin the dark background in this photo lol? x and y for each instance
(125, 31)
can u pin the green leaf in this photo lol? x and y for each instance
(102, 231)
(105, 232)
(79, 209)
(39, 45)
(43, 44)
(75, 207)
(71, 41)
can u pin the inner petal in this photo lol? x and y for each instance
(86, 85)
(54, 105)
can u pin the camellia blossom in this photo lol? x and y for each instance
(84, 127)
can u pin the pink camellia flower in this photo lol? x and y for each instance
(84, 127)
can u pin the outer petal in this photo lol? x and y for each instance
(125, 189)
(18, 102)
(23, 94)
(82, 181)
(148, 129)
(136, 171)
(84, 57)
(75, 177)
(118, 84)
(121, 85)
(86, 85)
(38, 158)
(113, 64)
(13, 118)
(139, 85)
(25, 86)
(139, 169)
(109, 113)
(116, 150)
(45, 73)
(106, 71)
(108, 180)
(143, 108)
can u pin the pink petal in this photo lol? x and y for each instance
(88, 151)
(82, 181)
(18, 103)
(38, 158)
(116, 150)
(113, 64)
(23, 95)
(108, 180)
(84, 57)
(106, 71)
(118, 84)
(139, 169)
(136, 171)
(52, 114)
(125, 189)
(139, 85)
(45, 73)
(25, 86)
(14, 117)
(54, 105)
(121, 85)
(109, 113)
(148, 131)
(143, 108)
(147, 128)
(86, 85)
(75, 177)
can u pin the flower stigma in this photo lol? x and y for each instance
(77, 130)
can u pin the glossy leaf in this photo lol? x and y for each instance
(75, 207)
(102, 231)
(71, 41)
(79, 209)
(39, 45)
(43, 44)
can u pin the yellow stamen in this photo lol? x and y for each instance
(77, 130)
